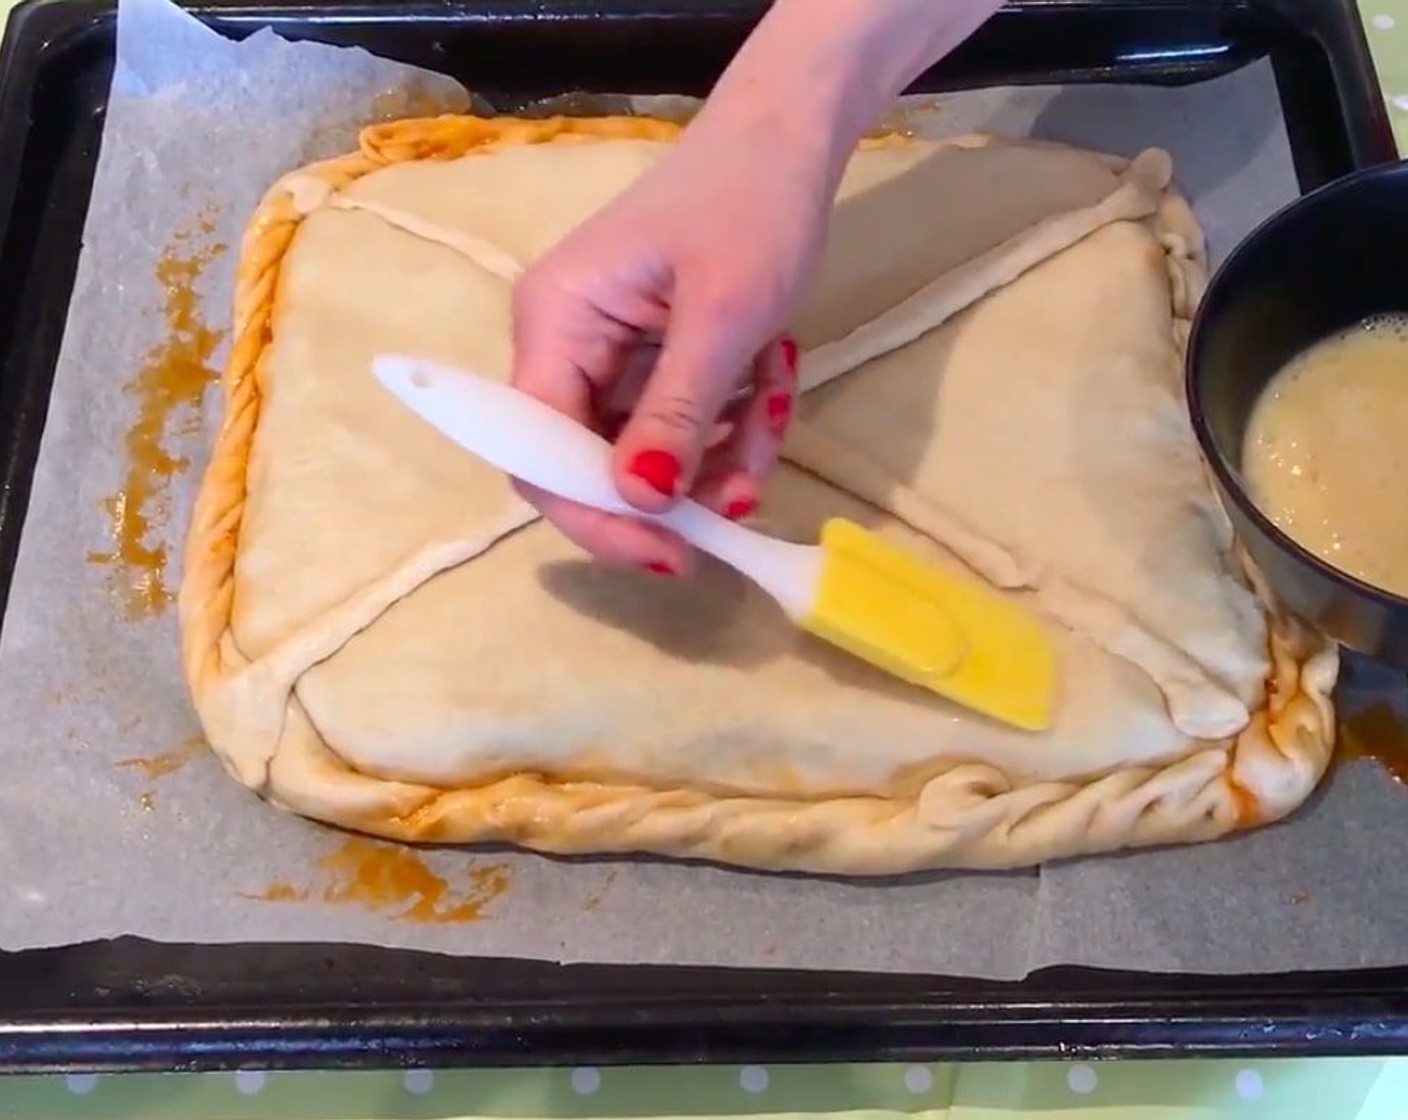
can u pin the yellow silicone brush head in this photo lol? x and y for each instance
(945, 632)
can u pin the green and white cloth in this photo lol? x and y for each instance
(1386, 23)
(1342, 1089)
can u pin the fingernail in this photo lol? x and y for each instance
(779, 407)
(740, 508)
(660, 569)
(789, 354)
(658, 469)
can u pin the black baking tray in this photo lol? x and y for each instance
(129, 1004)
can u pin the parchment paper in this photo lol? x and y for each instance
(196, 129)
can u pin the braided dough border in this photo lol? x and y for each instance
(969, 815)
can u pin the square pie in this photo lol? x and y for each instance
(379, 634)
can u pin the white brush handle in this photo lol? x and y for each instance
(529, 440)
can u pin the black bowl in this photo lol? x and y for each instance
(1324, 263)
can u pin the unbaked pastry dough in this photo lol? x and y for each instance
(379, 634)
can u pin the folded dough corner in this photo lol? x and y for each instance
(378, 633)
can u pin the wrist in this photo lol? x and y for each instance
(832, 67)
(783, 111)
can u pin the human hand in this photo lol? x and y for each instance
(659, 307)
(657, 323)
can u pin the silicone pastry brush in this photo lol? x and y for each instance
(953, 635)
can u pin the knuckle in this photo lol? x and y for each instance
(680, 412)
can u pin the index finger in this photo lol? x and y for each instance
(568, 369)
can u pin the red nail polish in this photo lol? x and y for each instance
(740, 508)
(789, 354)
(658, 469)
(779, 407)
(660, 569)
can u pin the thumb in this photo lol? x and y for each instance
(705, 353)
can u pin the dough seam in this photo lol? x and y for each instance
(478, 252)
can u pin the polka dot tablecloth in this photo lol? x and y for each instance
(1386, 23)
(1341, 1089)
(1349, 1089)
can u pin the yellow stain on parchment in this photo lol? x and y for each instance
(413, 101)
(281, 892)
(1377, 734)
(594, 898)
(156, 766)
(390, 105)
(394, 880)
(904, 121)
(168, 389)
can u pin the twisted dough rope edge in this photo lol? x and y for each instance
(970, 816)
